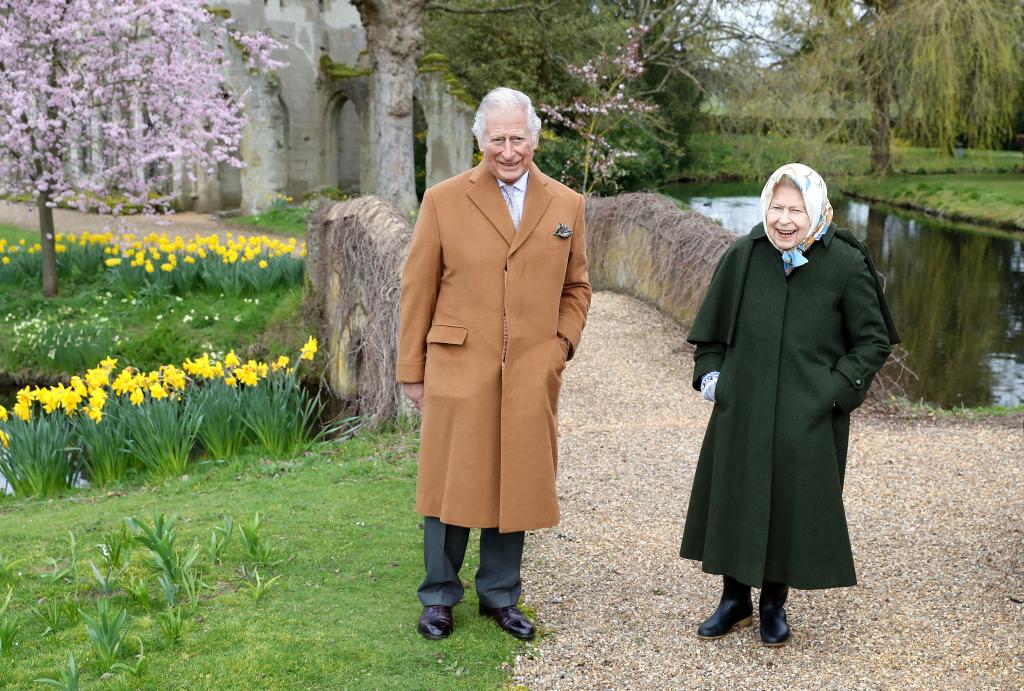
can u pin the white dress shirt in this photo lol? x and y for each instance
(517, 194)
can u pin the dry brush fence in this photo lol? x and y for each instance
(355, 252)
(639, 244)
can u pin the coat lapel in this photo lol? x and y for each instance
(485, 194)
(537, 200)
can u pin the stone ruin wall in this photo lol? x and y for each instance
(308, 130)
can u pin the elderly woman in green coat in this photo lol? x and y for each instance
(790, 334)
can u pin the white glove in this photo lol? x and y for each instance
(707, 386)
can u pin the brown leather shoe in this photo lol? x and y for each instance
(511, 620)
(436, 622)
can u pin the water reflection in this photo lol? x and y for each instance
(957, 294)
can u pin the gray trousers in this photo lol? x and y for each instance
(444, 548)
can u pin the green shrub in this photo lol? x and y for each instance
(37, 460)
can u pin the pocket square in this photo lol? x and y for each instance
(562, 231)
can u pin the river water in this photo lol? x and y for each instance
(956, 291)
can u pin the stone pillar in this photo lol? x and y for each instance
(449, 129)
(206, 190)
(263, 146)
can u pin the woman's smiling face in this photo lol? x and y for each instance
(787, 218)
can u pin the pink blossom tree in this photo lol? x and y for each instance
(606, 101)
(101, 99)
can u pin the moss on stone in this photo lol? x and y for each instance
(337, 70)
(221, 12)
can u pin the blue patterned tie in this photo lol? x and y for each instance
(508, 191)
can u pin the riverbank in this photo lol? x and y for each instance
(722, 157)
(987, 199)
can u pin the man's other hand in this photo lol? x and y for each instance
(414, 392)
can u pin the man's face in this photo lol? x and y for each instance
(508, 147)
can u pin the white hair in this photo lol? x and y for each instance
(505, 99)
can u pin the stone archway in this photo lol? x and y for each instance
(348, 128)
(230, 179)
(343, 154)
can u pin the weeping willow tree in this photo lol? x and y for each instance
(929, 71)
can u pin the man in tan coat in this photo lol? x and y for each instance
(494, 298)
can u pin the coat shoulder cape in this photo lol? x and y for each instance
(716, 320)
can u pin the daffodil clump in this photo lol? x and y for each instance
(109, 422)
(232, 264)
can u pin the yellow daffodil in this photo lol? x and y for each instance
(4, 439)
(22, 410)
(97, 377)
(3, 414)
(231, 360)
(95, 414)
(280, 363)
(262, 264)
(98, 398)
(137, 396)
(247, 375)
(124, 383)
(112, 261)
(149, 267)
(308, 350)
(200, 367)
(230, 381)
(157, 391)
(49, 401)
(174, 377)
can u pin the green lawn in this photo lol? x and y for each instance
(342, 614)
(716, 156)
(995, 199)
(13, 233)
(88, 322)
(283, 220)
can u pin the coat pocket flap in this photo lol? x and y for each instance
(441, 333)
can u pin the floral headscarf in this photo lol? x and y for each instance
(815, 195)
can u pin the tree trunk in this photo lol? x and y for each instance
(881, 127)
(881, 86)
(394, 33)
(46, 239)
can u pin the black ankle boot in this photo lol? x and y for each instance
(774, 629)
(734, 611)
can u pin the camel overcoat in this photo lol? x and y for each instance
(796, 356)
(483, 309)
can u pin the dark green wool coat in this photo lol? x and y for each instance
(796, 354)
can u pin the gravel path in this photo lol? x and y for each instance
(935, 512)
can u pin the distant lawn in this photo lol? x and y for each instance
(342, 614)
(996, 199)
(715, 156)
(13, 233)
(284, 220)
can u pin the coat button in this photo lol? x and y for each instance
(858, 382)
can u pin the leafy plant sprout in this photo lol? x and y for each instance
(255, 584)
(106, 632)
(68, 677)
